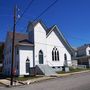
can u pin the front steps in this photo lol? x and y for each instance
(45, 70)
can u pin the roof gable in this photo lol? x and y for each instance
(20, 38)
(32, 24)
(83, 47)
(61, 37)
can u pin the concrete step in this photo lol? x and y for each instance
(46, 70)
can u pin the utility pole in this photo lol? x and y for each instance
(13, 47)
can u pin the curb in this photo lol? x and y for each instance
(35, 81)
(73, 73)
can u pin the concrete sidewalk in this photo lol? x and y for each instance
(37, 80)
(6, 82)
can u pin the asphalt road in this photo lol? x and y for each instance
(73, 82)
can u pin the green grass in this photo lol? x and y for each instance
(73, 70)
(26, 78)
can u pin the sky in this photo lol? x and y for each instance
(71, 16)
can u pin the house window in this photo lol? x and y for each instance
(27, 65)
(55, 54)
(65, 57)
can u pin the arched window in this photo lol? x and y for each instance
(65, 59)
(55, 54)
(52, 55)
(40, 57)
(58, 55)
(27, 65)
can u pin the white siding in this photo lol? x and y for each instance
(25, 52)
(54, 41)
(39, 42)
(47, 45)
(87, 50)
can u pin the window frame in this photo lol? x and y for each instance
(55, 54)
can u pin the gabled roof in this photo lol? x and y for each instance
(18, 36)
(83, 47)
(20, 39)
(34, 23)
(62, 38)
(23, 38)
(25, 42)
(49, 30)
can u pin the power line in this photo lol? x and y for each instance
(46, 10)
(25, 10)
(30, 3)
(73, 37)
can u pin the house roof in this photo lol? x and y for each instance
(18, 36)
(83, 47)
(20, 39)
(23, 38)
(49, 29)
(25, 42)
(62, 38)
(34, 23)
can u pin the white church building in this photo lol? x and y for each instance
(40, 49)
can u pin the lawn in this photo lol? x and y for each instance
(26, 78)
(73, 70)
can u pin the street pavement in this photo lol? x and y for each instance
(72, 82)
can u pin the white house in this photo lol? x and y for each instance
(83, 55)
(41, 46)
